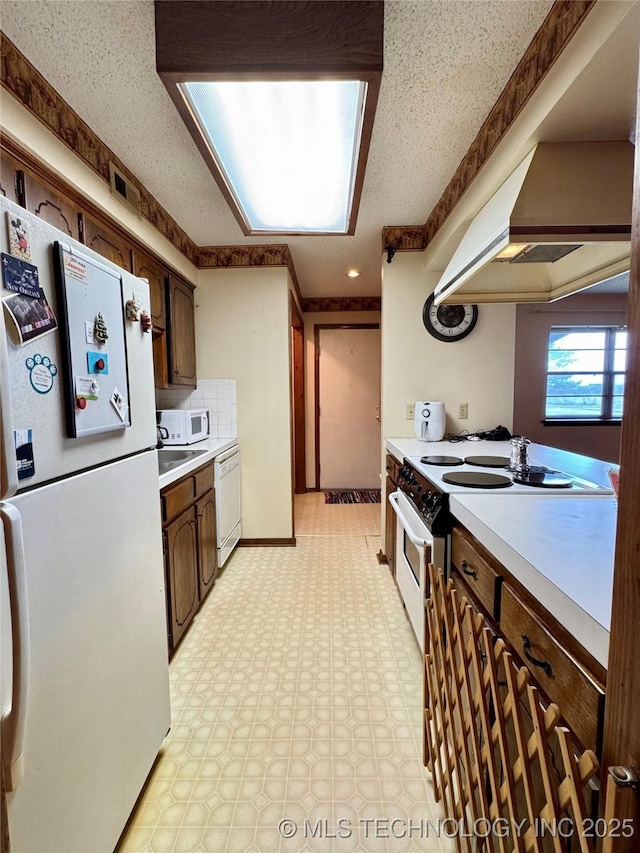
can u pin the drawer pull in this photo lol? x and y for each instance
(543, 664)
(471, 574)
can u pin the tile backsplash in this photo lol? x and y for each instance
(216, 395)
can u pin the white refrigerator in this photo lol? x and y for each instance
(85, 688)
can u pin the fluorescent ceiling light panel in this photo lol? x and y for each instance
(288, 150)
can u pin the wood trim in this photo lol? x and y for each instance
(298, 399)
(273, 255)
(323, 304)
(622, 711)
(268, 543)
(29, 87)
(552, 37)
(317, 328)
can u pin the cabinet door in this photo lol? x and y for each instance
(42, 201)
(147, 268)
(107, 243)
(390, 529)
(182, 574)
(9, 175)
(207, 554)
(182, 333)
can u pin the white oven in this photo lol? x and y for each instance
(416, 547)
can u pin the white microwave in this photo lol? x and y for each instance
(183, 426)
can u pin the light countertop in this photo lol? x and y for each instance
(560, 548)
(212, 447)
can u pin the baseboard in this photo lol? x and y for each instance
(267, 543)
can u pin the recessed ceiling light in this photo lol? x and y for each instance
(353, 273)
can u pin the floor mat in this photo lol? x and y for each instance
(353, 496)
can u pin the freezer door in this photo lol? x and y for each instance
(98, 706)
(32, 396)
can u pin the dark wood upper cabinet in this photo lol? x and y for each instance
(182, 337)
(107, 243)
(43, 202)
(145, 267)
(10, 175)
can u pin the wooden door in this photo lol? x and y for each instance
(43, 202)
(145, 267)
(348, 406)
(207, 553)
(107, 243)
(182, 573)
(298, 413)
(182, 333)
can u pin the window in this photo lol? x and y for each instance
(585, 373)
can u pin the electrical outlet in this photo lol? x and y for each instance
(463, 411)
(411, 408)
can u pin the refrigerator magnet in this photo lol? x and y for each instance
(98, 362)
(85, 388)
(41, 373)
(32, 317)
(19, 243)
(20, 276)
(23, 439)
(100, 333)
(119, 404)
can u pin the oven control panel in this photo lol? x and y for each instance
(431, 504)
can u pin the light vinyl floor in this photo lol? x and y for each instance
(296, 695)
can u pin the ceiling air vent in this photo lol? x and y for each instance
(123, 189)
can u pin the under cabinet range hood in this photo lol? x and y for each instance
(560, 223)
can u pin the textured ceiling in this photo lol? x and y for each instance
(445, 63)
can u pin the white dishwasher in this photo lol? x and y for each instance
(227, 488)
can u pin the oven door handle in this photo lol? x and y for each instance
(418, 541)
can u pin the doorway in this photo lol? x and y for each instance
(298, 414)
(347, 406)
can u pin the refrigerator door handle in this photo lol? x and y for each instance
(8, 468)
(14, 724)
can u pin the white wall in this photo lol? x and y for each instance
(415, 366)
(242, 331)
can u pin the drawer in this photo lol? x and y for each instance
(204, 479)
(176, 498)
(392, 465)
(471, 564)
(559, 676)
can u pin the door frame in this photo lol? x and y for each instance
(317, 328)
(298, 407)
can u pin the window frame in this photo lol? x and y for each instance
(608, 372)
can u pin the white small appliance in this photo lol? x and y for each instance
(429, 420)
(183, 426)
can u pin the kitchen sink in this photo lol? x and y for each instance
(168, 459)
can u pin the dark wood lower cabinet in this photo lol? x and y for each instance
(182, 574)
(191, 558)
(207, 553)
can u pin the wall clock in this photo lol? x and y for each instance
(449, 322)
